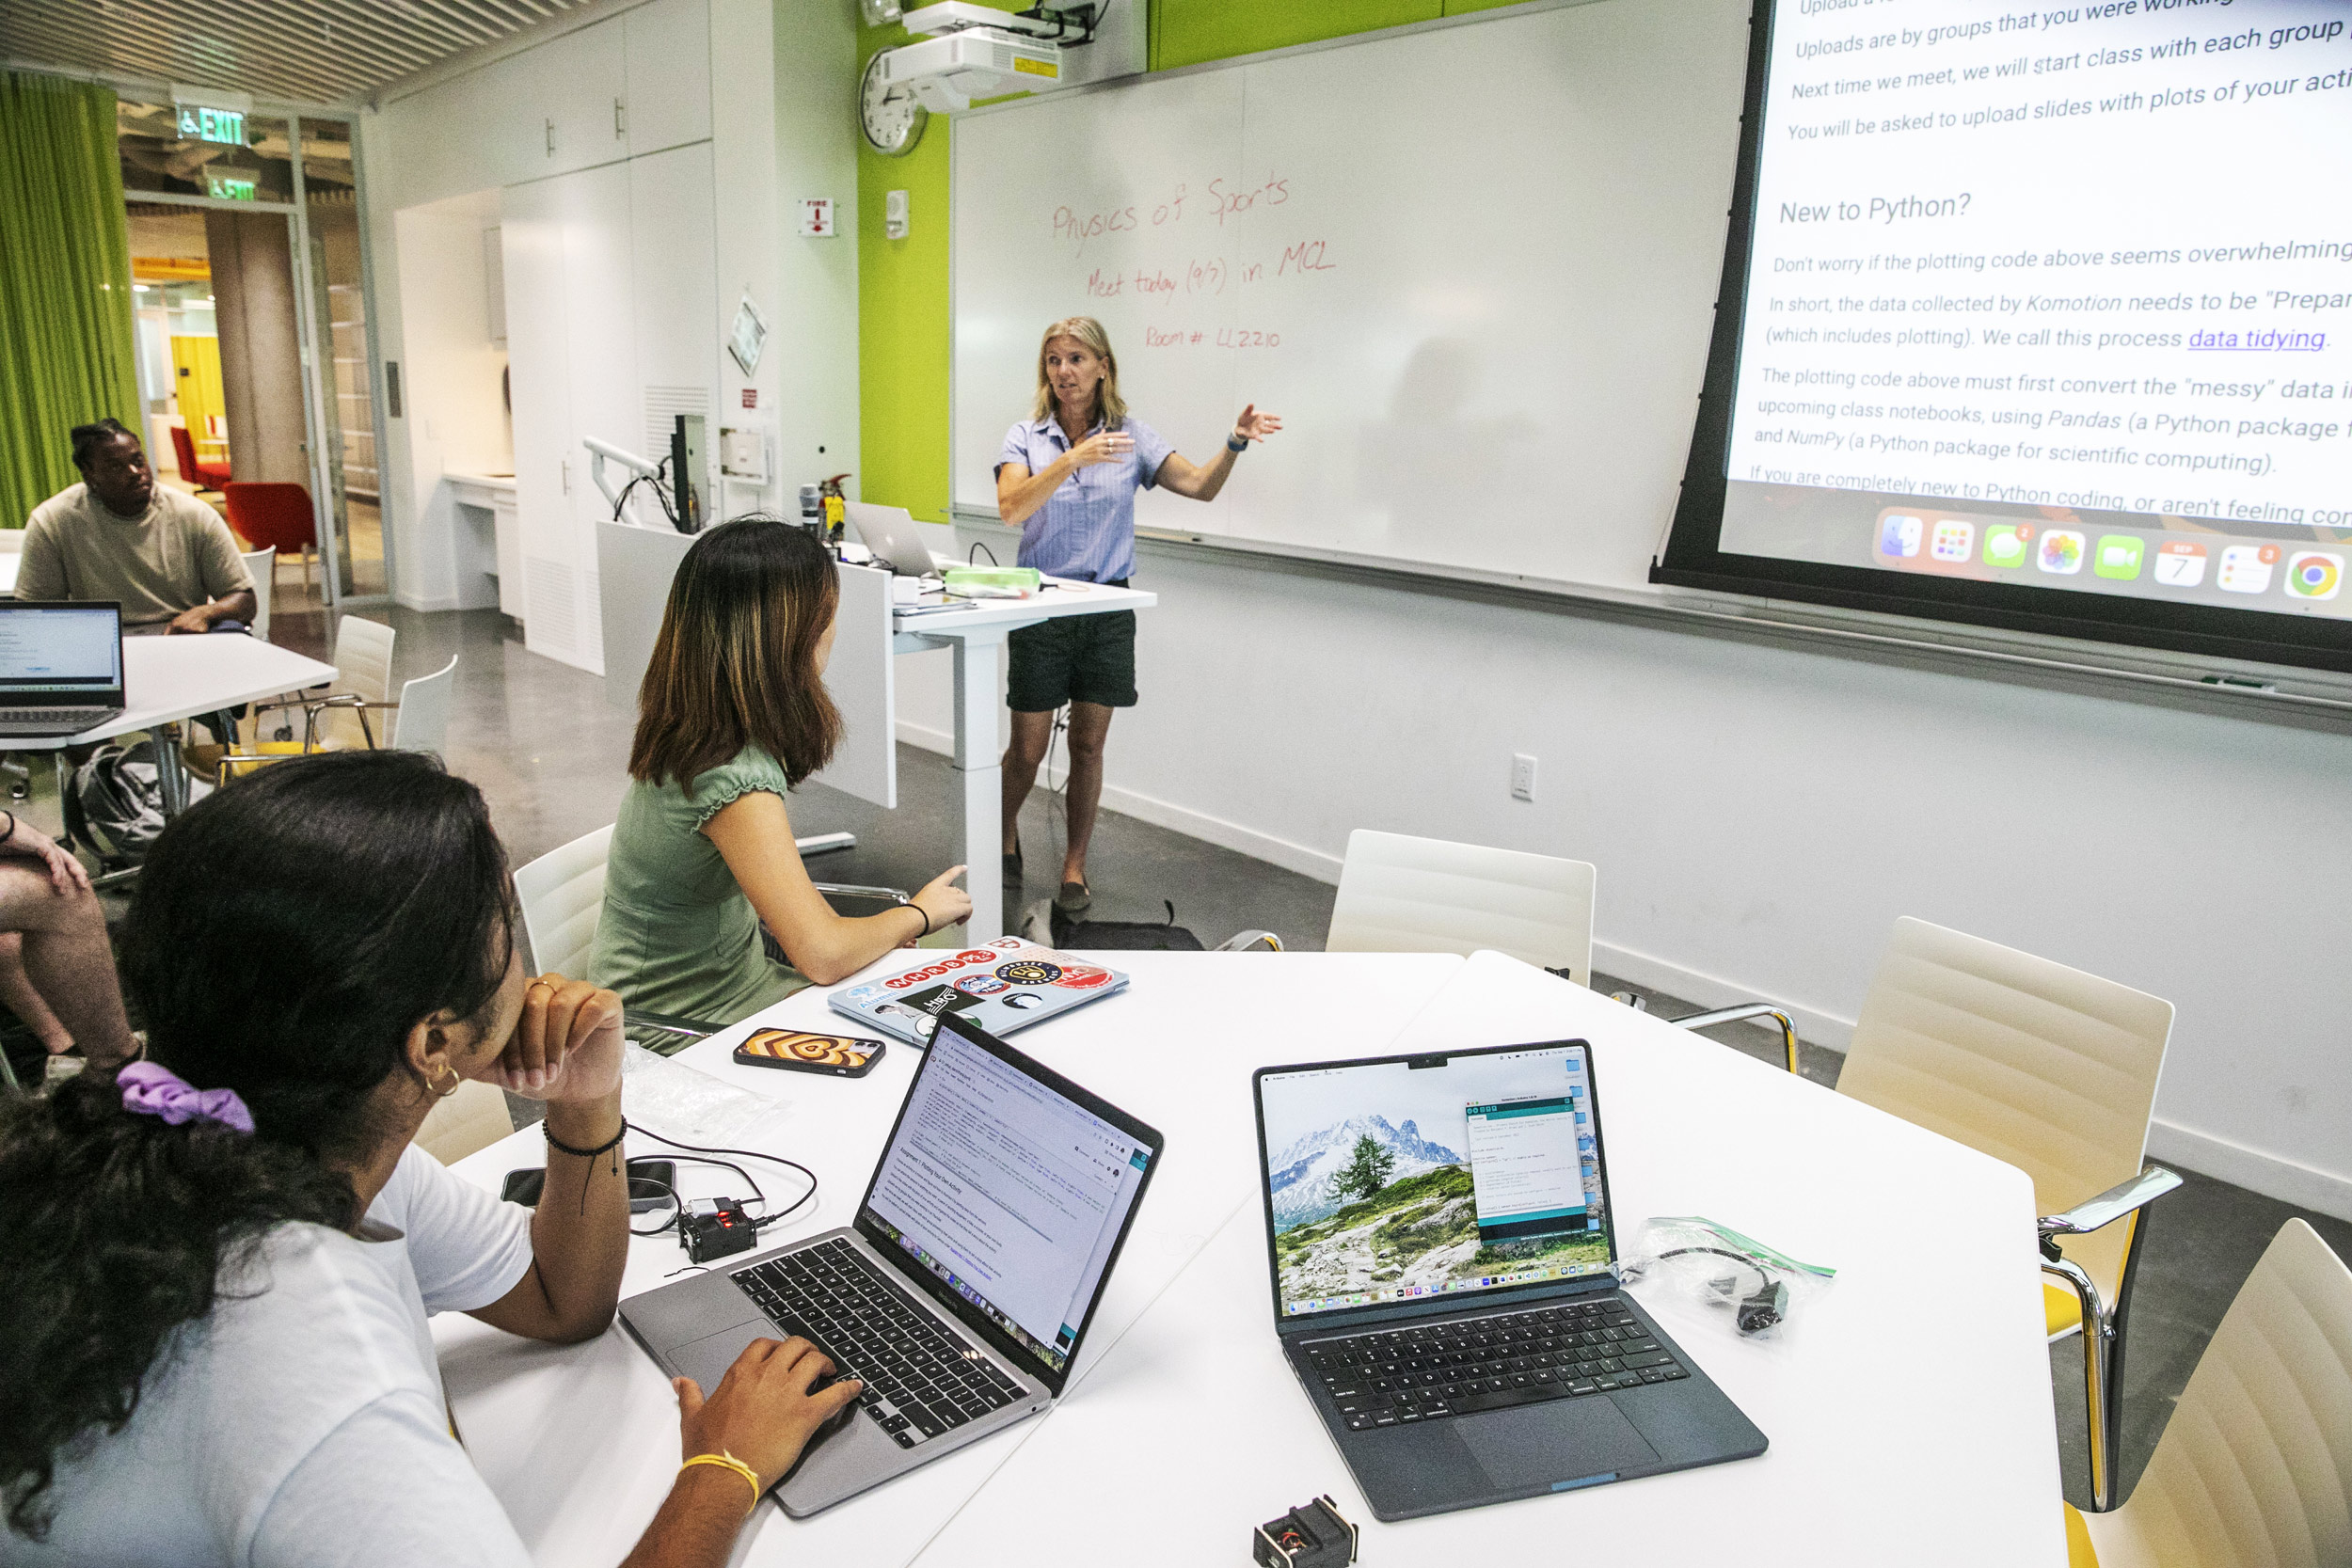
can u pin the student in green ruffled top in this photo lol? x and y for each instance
(734, 713)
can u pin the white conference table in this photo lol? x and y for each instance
(166, 680)
(1909, 1406)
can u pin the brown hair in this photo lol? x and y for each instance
(736, 662)
(1088, 334)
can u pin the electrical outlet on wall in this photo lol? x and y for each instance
(1522, 777)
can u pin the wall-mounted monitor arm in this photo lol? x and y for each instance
(601, 452)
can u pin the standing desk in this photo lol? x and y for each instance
(1909, 1406)
(978, 638)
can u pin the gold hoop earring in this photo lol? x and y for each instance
(456, 1082)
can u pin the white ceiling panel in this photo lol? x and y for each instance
(289, 51)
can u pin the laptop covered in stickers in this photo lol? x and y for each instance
(999, 985)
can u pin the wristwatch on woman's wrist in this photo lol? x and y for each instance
(1237, 442)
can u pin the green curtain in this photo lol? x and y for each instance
(65, 283)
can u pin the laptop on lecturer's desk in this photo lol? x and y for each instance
(60, 667)
(895, 538)
(961, 1292)
(1444, 1256)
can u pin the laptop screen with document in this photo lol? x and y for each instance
(1432, 1177)
(1010, 1187)
(65, 650)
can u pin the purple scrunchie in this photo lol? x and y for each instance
(153, 1090)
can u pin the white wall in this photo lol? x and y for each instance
(768, 99)
(1760, 815)
(451, 374)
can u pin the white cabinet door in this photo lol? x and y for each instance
(546, 470)
(578, 88)
(601, 362)
(669, 75)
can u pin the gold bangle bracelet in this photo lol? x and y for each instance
(728, 1461)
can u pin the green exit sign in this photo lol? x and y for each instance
(225, 126)
(229, 187)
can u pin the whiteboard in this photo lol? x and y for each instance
(1472, 267)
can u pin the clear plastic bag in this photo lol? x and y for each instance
(1756, 1289)
(678, 1101)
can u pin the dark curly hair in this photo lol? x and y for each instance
(287, 935)
(88, 438)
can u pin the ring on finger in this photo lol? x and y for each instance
(537, 985)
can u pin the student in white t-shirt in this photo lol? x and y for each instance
(216, 1265)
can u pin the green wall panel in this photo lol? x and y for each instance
(1188, 32)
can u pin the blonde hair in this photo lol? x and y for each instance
(1088, 333)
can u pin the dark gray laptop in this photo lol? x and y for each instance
(1443, 1260)
(60, 667)
(963, 1292)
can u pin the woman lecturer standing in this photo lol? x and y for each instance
(1067, 478)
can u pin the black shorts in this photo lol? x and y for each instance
(1073, 659)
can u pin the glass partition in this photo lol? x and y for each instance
(339, 295)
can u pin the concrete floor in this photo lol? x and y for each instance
(541, 741)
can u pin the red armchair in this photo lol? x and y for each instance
(204, 476)
(266, 514)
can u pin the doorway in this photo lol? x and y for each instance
(255, 358)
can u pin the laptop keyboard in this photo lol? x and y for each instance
(1397, 1376)
(921, 1378)
(65, 718)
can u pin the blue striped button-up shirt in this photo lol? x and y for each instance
(1087, 529)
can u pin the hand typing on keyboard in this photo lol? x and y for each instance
(922, 1377)
(766, 1409)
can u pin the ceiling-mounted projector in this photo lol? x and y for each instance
(972, 51)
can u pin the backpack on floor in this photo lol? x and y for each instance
(1042, 923)
(116, 806)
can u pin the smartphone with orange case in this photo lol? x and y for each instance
(801, 1052)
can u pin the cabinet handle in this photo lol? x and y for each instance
(550, 138)
(620, 119)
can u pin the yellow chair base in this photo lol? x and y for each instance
(2061, 1311)
(2079, 1551)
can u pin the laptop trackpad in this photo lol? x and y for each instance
(1542, 1445)
(707, 1359)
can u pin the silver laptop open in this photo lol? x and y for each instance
(60, 667)
(894, 537)
(962, 1291)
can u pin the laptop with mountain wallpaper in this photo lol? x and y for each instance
(1443, 1261)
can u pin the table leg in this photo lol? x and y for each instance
(172, 773)
(979, 772)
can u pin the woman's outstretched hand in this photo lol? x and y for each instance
(1254, 426)
(943, 903)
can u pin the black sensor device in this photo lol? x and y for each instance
(1313, 1536)
(716, 1228)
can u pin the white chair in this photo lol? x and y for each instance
(1404, 894)
(563, 895)
(363, 680)
(261, 566)
(2254, 1469)
(2054, 1072)
(421, 723)
(473, 1117)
